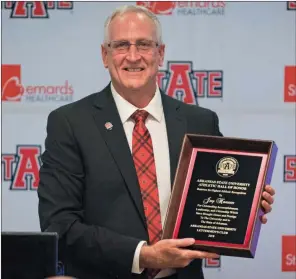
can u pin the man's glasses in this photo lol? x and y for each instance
(122, 47)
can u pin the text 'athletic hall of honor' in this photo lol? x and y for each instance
(217, 193)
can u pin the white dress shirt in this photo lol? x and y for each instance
(156, 125)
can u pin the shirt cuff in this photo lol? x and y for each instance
(136, 262)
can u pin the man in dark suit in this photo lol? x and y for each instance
(110, 161)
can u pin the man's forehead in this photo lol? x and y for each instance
(133, 16)
(132, 23)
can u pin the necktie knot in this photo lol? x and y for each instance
(140, 116)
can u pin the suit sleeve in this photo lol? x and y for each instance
(216, 128)
(60, 194)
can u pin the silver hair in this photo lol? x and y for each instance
(137, 9)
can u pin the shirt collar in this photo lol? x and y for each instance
(126, 109)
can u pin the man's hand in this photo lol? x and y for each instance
(267, 201)
(170, 253)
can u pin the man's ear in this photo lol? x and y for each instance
(104, 53)
(161, 51)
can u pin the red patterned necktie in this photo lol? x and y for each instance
(143, 156)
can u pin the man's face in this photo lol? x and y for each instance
(134, 69)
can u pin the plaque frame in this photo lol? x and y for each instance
(193, 143)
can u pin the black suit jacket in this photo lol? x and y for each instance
(88, 191)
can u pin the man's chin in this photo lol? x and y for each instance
(135, 85)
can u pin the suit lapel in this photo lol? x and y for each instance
(106, 111)
(176, 129)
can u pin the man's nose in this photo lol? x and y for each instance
(133, 53)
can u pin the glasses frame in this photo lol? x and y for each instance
(131, 44)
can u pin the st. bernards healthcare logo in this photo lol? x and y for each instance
(182, 82)
(35, 9)
(290, 84)
(13, 90)
(21, 168)
(185, 8)
(289, 253)
(290, 168)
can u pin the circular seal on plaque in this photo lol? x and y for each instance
(227, 167)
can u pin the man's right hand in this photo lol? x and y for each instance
(171, 253)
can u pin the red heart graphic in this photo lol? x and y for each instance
(161, 8)
(12, 90)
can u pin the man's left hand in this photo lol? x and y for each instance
(267, 201)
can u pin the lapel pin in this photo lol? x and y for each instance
(108, 126)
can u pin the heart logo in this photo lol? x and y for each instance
(12, 90)
(160, 8)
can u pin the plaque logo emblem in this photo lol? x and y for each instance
(227, 167)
